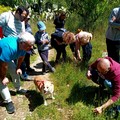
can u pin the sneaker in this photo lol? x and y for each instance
(43, 73)
(53, 69)
(21, 92)
(10, 107)
(30, 69)
(24, 76)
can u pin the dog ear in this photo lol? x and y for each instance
(39, 84)
(51, 83)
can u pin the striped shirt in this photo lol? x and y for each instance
(11, 26)
(40, 37)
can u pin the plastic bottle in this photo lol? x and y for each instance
(104, 53)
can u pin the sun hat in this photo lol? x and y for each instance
(41, 26)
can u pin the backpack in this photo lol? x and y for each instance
(57, 36)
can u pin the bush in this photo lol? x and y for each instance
(4, 9)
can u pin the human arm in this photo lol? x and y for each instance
(72, 47)
(92, 70)
(101, 108)
(3, 72)
(3, 69)
(3, 20)
(89, 73)
(77, 49)
(20, 60)
(28, 28)
(114, 18)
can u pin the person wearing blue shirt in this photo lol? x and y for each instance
(12, 48)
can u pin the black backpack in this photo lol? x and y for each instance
(57, 36)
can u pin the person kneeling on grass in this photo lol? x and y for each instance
(12, 48)
(106, 72)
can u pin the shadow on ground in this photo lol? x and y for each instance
(86, 94)
(39, 66)
(35, 99)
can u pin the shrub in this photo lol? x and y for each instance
(4, 9)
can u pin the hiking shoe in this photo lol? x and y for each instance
(10, 107)
(21, 92)
(53, 69)
(24, 76)
(30, 69)
(43, 73)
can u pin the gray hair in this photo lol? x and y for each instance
(25, 37)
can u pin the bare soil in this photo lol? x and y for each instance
(22, 103)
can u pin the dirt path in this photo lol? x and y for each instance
(21, 102)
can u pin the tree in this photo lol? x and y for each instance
(87, 10)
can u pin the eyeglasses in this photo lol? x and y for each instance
(104, 71)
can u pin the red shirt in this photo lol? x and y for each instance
(1, 32)
(113, 75)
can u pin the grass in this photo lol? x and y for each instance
(74, 93)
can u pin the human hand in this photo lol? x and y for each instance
(19, 71)
(79, 58)
(74, 59)
(98, 110)
(45, 41)
(5, 81)
(113, 18)
(88, 74)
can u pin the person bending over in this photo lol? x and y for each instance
(59, 40)
(83, 39)
(106, 72)
(12, 48)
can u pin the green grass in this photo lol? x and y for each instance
(74, 93)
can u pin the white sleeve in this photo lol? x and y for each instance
(23, 26)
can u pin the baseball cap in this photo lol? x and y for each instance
(41, 26)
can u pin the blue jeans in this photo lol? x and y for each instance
(44, 57)
(4, 90)
(100, 81)
(108, 84)
(87, 51)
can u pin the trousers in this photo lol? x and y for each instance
(4, 90)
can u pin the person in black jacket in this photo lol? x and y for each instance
(59, 21)
(59, 40)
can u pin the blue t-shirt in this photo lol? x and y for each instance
(9, 49)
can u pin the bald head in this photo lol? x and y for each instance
(103, 66)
